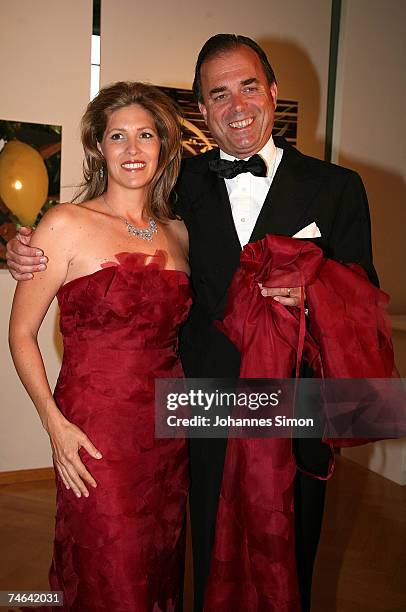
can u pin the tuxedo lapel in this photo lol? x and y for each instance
(290, 194)
(213, 213)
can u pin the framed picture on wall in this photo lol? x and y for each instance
(30, 170)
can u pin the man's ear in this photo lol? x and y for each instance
(274, 93)
(203, 110)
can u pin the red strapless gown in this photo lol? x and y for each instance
(122, 548)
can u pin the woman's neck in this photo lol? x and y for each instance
(127, 203)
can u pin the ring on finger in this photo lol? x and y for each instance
(289, 290)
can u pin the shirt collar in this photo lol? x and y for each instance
(267, 153)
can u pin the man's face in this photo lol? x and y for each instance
(238, 102)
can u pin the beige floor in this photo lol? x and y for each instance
(361, 565)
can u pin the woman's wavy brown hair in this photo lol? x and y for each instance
(167, 121)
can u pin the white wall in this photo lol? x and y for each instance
(370, 127)
(45, 78)
(158, 42)
(45, 71)
(23, 442)
(370, 136)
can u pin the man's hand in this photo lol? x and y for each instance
(22, 259)
(288, 296)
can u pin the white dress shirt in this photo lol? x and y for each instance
(247, 192)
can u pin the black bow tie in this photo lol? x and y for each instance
(229, 169)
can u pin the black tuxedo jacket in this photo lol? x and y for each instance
(304, 189)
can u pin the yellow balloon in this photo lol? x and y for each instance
(23, 181)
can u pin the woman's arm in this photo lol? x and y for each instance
(31, 302)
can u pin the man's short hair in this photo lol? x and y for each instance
(221, 43)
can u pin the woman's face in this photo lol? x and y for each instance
(131, 147)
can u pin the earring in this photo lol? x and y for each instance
(101, 172)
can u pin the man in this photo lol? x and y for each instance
(236, 89)
(281, 193)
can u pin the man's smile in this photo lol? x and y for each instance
(243, 123)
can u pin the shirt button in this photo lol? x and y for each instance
(243, 220)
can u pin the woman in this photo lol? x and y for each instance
(119, 270)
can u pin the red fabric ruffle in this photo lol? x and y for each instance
(253, 567)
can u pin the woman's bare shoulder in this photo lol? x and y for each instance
(57, 217)
(179, 229)
(60, 223)
(67, 213)
(95, 205)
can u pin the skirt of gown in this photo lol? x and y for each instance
(122, 548)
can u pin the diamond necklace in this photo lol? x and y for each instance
(143, 234)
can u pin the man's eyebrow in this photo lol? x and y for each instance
(217, 89)
(222, 88)
(249, 81)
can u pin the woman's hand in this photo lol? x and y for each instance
(66, 441)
